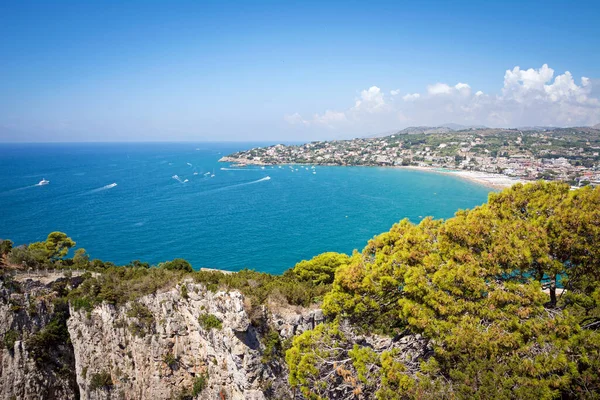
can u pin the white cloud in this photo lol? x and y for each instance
(527, 97)
(411, 97)
(371, 100)
(329, 117)
(438, 88)
(295, 119)
(463, 88)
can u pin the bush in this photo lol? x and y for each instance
(273, 346)
(170, 360)
(200, 383)
(25, 256)
(101, 380)
(5, 247)
(54, 334)
(209, 321)
(82, 303)
(320, 269)
(10, 338)
(259, 286)
(184, 291)
(145, 320)
(178, 264)
(118, 285)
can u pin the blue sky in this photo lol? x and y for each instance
(203, 70)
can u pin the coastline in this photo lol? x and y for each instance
(494, 181)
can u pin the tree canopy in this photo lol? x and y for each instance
(320, 269)
(474, 286)
(177, 264)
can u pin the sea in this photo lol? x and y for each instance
(159, 201)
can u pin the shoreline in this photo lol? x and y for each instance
(488, 179)
(495, 181)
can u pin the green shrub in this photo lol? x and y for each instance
(184, 291)
(200, 383)
(101, 380)
(10, 338)
(82, 303)
(170, 360)
(209, 321)
(5, 247)
(118, 285)
(41, 344)
(259, 286)
(178, 264)
(144, 317)
(28, 257)
(273, 346)
(320, 269)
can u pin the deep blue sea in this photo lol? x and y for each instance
(235, 219)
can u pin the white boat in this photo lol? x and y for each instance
(43, 182)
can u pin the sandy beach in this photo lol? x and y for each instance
(496, 181)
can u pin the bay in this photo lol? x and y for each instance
(159, 201)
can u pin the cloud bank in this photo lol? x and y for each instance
(527, 97)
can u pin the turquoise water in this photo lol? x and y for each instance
(236, 219)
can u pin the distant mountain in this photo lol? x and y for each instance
(459, 127)
(538, 128)
(379, 135)
(415, 130)
(452, 127)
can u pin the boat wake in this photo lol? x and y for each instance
(105, 187)
(266, 178)
(239, 169)
(178, 179)
(19, 189)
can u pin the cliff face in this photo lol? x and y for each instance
(158, 347)
(36, 360)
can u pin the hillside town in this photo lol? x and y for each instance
(565, 154)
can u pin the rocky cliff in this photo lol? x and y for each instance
(160, 346)
(37, 357)
(185, 342)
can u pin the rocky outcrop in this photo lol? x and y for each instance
(158, 348)
(36, 361)
(182, 343)
(291, 321)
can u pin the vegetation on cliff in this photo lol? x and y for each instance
(502, 301)
(472, 286)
